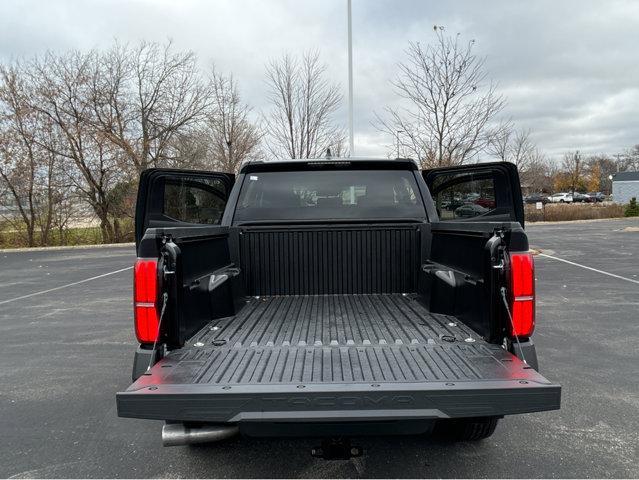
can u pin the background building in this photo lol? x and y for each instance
(625, 185)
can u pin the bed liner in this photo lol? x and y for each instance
(377, 355)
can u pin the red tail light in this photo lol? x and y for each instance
(145, 295)
(522, 271)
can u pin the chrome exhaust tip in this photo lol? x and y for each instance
(174, 434)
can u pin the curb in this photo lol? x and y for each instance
(558, 222)
(68, 247)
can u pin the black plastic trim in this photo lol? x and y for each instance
(329, 164)
(320, 402)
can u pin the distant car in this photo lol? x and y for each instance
(536, 197)
(596, 197)
(580, 198)
(470, 210)
(485, 202)
(471, 197)
(561, 197)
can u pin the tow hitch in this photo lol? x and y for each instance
(337, 449)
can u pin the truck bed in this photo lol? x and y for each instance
(332, 338)
(282, 348)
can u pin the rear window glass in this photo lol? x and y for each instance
(329, 194)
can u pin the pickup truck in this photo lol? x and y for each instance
(330, 298)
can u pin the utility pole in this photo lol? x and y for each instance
(351, 143)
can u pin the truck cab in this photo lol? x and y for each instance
(333, 297)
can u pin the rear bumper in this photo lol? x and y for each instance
(337, 402)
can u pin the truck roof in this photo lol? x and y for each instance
(360, 163)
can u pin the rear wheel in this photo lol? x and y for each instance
(466, 429)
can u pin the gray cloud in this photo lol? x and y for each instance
(569, 69)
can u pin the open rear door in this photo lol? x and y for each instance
(484, 192)
(173, 198)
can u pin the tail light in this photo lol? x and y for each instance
(522, 279)
(145, 299)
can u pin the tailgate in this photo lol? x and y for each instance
(515, 388)
(336, 358)
(206, 403)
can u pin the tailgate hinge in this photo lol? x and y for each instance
(496, 249)
(169, 252)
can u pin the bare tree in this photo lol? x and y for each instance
(629, 160)
(64, 89)
(510, 145)
(76, 127)
(17, 180)
(500, 144)
(26, 169)
(145, 98)
(538, 172)
(301, 123)
(523, 150)
(231, 136)
(572, 170)
(18, 169)
(450, 103)
(192, 149)
(52, 187)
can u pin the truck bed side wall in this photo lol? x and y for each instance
(460, 280)
(202, 252)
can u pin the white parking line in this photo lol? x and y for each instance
(590, 268)
(63, 286)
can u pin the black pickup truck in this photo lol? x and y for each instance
(333, 297)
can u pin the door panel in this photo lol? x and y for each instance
(173, 198)
(479, 192)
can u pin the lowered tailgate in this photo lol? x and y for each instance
(336, 358)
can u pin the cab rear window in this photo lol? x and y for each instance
(330, 195)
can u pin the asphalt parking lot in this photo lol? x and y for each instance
(66, 352)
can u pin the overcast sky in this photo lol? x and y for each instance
(569, 69)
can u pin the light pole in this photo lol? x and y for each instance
(351, 143)
(611, 177)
